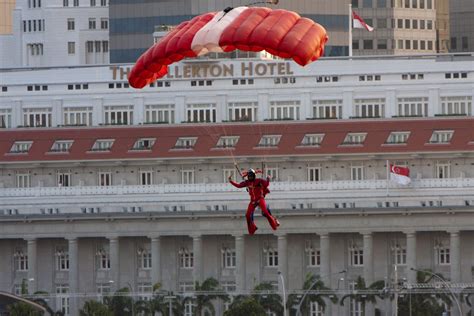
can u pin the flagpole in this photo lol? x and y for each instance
(350, 29)
(388, 175)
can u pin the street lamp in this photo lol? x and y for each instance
(284, 294)
(445, 283)
(298, 310)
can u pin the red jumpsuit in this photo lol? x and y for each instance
(257, 190)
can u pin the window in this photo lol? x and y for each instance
(227, 142)
(354, 139)
(144, 144)
(20, 147)
(62, 259)
(429, 4)
(71, 48)
(185, 143)
(356, 308)
(355, 3)
(103, 145)
(417, 106)
(382, 44)
(429, 24)
(144, 259)
(64, 178)
(189, 308)
(269, 141)
(187, 176)
(327, 109)
(272, 173)
(21, 261)
(366, 108)
(119, 115)
(201, 113)
(70, 24)
(271, 257)
(104, 23)
(355, 45)
(93, 3)
(443, 253)
(103, 289)
(23, 180)
(368, 44)
(103, 3)
(146, 177)
(103, 258)
(76, 3)
(314, 257)
(228, 258)
(37, 117)
(367, 3)
(5, 118)
(242, 111)
(399, 255)
(285, 110)
(443, 170)
(61, 146)
(105, 179)
(312, 140)
(105, 48)
(186, 287)
(356, 256)
(456, 105)
(186, 259)
(314, 174)
(78, 116)
(381, 3)
(357, 173)
(159, 113)
(315, 309)
(62, 298)
(441, 137)
(398, 138)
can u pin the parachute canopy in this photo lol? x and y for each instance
(280, 32)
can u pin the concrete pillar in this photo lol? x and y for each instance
(240, 263)
(138, 111)
(180, 109)
(283, 261)
(98, 111)
(455, 252)
(73, 252)
(325, 268)
(411, 257)
(155, 260)
(263, 105)
(114, 263)
(32, 265)
(368, 268)
(391, 107)
(306, 106)
(197, 253)
(221, 108)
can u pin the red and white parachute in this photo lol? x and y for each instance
(280, 32)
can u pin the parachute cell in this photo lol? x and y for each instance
(280, 32)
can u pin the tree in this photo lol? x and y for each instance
(423, 303)
(310, 285)
(120, 303)
(94, 308)
(156, 304)
(23, 309)
(211, 291)
(245, 307)
(264, 295)
(376, 288)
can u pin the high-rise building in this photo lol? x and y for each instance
(6, 8)
(56, 33)
(462, 25)
(401, 26)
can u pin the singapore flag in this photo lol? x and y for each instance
(359, 23)
(400, 175)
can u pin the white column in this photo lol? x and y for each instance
(433, 101)
(325, 268)
(114, 262)
(240, 263)
(411, 257)
(32, 265)
(97, 111)
(197, 253)
(56, 115)
(221, 107)
(17, 113)
(347, 104)
(390, 103)
(368, 268)
(455, 253)
(73, 252)
(179, 109)
(138, 111)
(263, 103)
(306, 106)
(283, 259)
(155, 260)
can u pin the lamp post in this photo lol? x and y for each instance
(284, 294)
(446, 284)
(131, 296)
(298, 310)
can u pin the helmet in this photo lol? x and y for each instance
(251, 174)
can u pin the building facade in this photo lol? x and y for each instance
(461, 25)
(88, 207)
(56, 33)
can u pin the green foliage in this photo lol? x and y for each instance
(213, 292)
(245, 307)
(311, 283)
(120, 303)
(360, 286)
(94, 308)
(23, 309)
(264, 295)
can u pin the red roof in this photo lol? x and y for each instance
(250, 134)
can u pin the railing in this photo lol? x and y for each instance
(377, 185)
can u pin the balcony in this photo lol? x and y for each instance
(376, 188)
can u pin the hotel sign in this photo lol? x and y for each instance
(215, 70)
